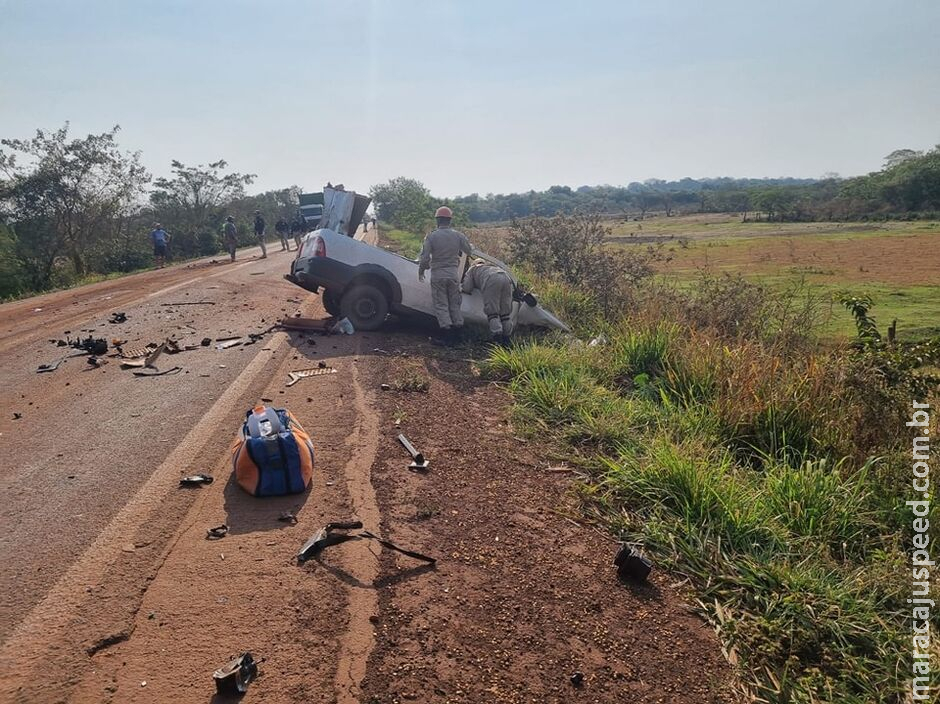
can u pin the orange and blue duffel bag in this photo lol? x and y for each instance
(274, 454)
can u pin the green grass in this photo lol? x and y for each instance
(728, 462)
(407, 244)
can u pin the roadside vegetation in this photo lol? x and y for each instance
(766, 466)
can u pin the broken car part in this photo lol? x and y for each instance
(165, 372)
(118, 318)
(190, 303)
(304, 324)
(288, 517)
(325, 537)
(419, 462)
(631, 564)
(97, 345)
(217, 533)
(304, 373)
(229, 343)
(234, 677)
(196, 480)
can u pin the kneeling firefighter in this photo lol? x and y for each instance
(496, 287)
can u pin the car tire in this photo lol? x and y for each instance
(365, 306)
(330, 302)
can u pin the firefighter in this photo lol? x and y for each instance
(496, 287)
(441, 254)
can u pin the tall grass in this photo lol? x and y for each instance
(767, 469)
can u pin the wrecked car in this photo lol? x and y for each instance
(365, 283)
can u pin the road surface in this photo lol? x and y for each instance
(113, 594)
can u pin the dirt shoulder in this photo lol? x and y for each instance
(522, 597)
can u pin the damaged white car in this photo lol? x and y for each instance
(365, 283)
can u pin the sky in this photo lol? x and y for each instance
(480, 96)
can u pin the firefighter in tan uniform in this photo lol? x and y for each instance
(496, 287)
(441, 254)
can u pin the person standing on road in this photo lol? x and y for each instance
(230, 236)
(160, 239)
(259, 233)
(281, 228)
(441, 254)
(496, 287)
(298, 228)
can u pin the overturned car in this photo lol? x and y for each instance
(365, 283)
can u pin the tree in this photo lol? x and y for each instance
(404, 202)
(899, 156)
(64, 201)
(190, 203)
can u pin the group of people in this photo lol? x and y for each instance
(296, 230)
(441, 254)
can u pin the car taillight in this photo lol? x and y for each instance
(319, 247)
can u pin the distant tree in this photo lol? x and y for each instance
(67, 199)
(190, 204)
(899, 156)
(405, 203)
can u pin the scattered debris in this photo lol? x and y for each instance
(117, 318)
(144, 360)
(206, 341)
(304, 373)
(632, 564)
(288, 517)
(51, 367)
(325, 537)
(96, 361)
(343, 327)
(165, 372)
(17, 416)
(229, 342)
(385, 387)
(196, 480)
(189, 303)
(234, 677)
(304, 324)
(173, 346)
(96, 345)
(577, 679)
(217, 533)
(419, 462)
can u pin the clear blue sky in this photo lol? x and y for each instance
(480, 96)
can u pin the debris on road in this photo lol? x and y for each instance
(325, 537)
(206, 341)
(631, 564)
(52, 366)
(304, 373)
(146, 359)
(189, 303)
(17, 416)
(305, 324)
(385, 387)
(217, 533)
(577, 679)
(96, 361)
(234, 677)
(226, 343)
(343, 327)
(165, 372)
(91, 345)
(288, 517)
(273, 454)
(196, 480)
(117, 318)
(419, 462)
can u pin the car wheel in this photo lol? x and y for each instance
(330, 302)
(365, 306)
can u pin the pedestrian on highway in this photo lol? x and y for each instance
(259, 233)
(441, 254)
(298, 228)
(160, 239)
(282, 228)
(230, 236)
(496, 286)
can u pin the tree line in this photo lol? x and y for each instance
(74, 207)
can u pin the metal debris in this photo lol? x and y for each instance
(304, 324)
(145, 360)
(118, 318)
(96, 345)
(419, 462)
(288, 517)
(206, 341)
(229, 343)
(234, 677)
(304, 373)
(165, 372)
(325, 537)
(631, 564)
(190, 303)
(217, 533)
(196, 480)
